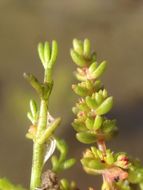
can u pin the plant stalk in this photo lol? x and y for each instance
(39, 149)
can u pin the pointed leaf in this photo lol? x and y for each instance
(105, 107)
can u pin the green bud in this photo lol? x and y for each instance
(86, 48)
(41, 53)
(92, 67)
(89, 123)
(105, 107)
(78, 46)
(86, 137)
(100, 69)
(98, 122)
(91, 102)
(47, 52)
(77, 59)
(68, 163)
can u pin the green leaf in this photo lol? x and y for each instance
(54, 53)
(86, 137)
(92, 67)
(78, 46)
(98, 122)
(92, 163)
(5, 184)
(47, 52)
(78, 59)
(105, 107)
(89, 123)
(86, 48)
(64, 184)
(68, 163)
(41, 53)
(33, 108)
(79, 90)
(79, 126)
(99, 98)
(100, 70)
(91, 102)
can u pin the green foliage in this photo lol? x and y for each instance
(92, 125)
(65, 185)
(5, 184)
(61, 163)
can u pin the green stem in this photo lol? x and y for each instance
(39, 149)
(48, 75)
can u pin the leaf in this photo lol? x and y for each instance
(54, 53)
(86, 48)
(105, 107)
(78, 46)
(100, 70)
(68, 163)
(47, 52)
(41, 53)
(77, 59)
(98, 122)
(86, 137)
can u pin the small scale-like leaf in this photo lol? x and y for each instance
(89, 123)
(79, 126)
(100, 69)
(68, 163)
(86, 48)
(78, 59)
(86, 137)
(78, 46)
(79, 90)
(105, 107)
(98, 122)
(92, 67)
(99, 98)
(91, 102)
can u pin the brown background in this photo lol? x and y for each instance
(115, 28)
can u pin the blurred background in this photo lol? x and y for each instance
(115, 28)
